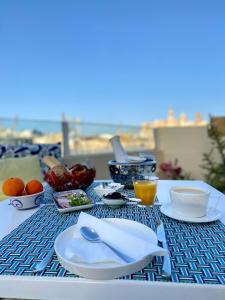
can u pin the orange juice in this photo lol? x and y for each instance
(145, 190)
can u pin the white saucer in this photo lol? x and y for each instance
(106, 270)
(212, 215)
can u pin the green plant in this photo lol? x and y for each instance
(214, 161)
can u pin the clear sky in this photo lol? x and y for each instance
(112, 61)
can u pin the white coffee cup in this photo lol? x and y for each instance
(189, 201)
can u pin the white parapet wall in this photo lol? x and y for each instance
(187, 144)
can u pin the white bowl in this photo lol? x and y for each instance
(106, 270)
(26, 201)
(189, 201)
(114, 203)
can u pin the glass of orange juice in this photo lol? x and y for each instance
(145, 189)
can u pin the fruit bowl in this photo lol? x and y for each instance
(77, 177)
(26, 201)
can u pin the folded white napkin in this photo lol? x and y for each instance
(81, 250)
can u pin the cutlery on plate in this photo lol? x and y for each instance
(166, 268)
(92, 236)
(41, 266)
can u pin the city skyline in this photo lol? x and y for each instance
(171, 118)
(86, 137)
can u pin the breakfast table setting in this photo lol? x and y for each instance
(196, 250)
(129, 237)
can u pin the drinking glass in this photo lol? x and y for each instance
(145, 189)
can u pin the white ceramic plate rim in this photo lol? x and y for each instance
(95, 266)
(166, 209)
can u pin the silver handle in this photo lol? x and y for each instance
(43, 264)
(166, 268)
(124, 257)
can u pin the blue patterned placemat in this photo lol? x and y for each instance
(197, 251)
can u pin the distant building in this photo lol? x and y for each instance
(182, 121)
(171, 121)
(199, 119)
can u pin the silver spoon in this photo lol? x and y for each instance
(92, 236)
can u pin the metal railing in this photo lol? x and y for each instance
(76, 137)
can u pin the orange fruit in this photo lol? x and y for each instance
(13, 187)
(33, 186)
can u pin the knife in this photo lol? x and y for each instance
(166, 268)
(41, 266)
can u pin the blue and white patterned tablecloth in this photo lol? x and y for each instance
(197, 251)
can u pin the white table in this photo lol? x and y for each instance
(85, 289)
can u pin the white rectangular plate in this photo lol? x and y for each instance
(72, 208)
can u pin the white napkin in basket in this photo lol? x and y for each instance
(84, 251)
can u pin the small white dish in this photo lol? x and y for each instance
(102, 190)
(104, 270)
(114, 203)
(60, 197)
(212, 215)
(26, 201)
